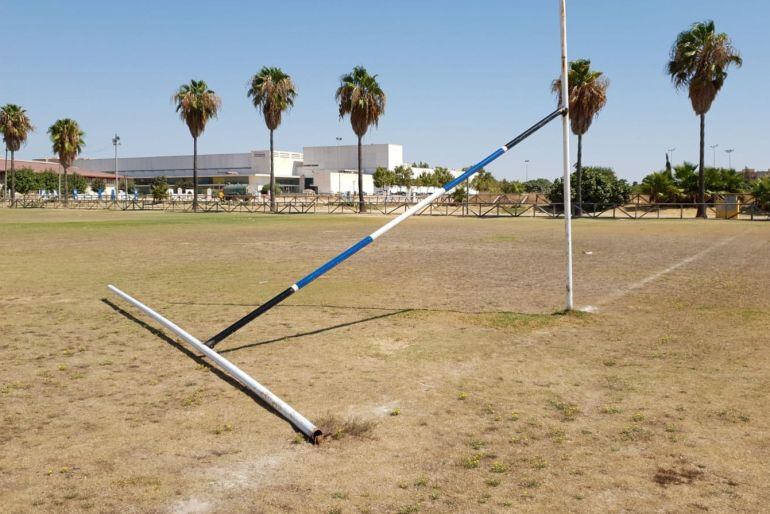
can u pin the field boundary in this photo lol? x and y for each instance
(478, 206)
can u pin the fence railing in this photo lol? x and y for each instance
(481, 206)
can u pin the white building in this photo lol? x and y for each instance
(214, 170)
(334, 169)
(325, 169)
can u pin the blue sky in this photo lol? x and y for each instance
(462, 77)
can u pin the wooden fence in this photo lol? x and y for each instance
(481, 206)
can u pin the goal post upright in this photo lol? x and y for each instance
(565, 149)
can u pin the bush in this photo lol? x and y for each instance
(277, 190)
(661, 187)
(26, 180)
(509, 187)
(485, 182)
(723, 180)
(75, 181)
(159, 188)
(383, 178)
(403, 176)
(184, 184)
(131, 185)
(48, 181)
(682, 185)
(441, 176)
(761, 191)
(459, 195)
(97, 185)
(601, 189)
(538, 185)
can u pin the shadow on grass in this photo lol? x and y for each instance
(318, 331)
(195, 357)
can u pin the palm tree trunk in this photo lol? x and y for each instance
(579, 185)
(702, 170)
(195, 174)
(66, 189)
(361, 204)
(13, 181)
(272, 174)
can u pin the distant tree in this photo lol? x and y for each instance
(723, 180)
(601, 189)
(273, 92)
(511, 187)
(698, 62)
(77, 182)
(587, 96)
(424, 180)
(131, 185)
(441, 176)
(485, 182)
(26, 181)
(686, 178)
(15, 127)
(196, 105)
(67, 140)
(403, 176)
(660, 186)
(97, 185)
(421, 164)
(383, 178)
(459, 195)
(184, 184)
(538, 185)
(360, 96)
(277, 189)
(48, 181)
(761, 190)
(159, 188)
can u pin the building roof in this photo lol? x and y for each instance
(41, 166)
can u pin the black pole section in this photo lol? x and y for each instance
(534, 128)
(290, 291)
(250, 317)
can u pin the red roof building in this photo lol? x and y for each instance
(41, 166)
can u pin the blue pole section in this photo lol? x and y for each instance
(363, 243)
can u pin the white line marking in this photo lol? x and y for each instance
(658, 274)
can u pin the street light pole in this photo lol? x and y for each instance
(671, 153)
(339, 172)
(115, 143)
(729, 153)
(714, 150)
(526, 170)
(5, 174)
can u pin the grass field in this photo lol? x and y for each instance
(436, 360)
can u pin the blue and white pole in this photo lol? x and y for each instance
(363, 243)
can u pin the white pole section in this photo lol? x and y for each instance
(565, 135)
(283, 408)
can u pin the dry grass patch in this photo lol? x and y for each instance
(336, 427)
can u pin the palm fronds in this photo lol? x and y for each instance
(587, 94)
(196, 105)
(273, 92)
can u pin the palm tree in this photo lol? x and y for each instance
(273, 91)
(196, 105)
(699, 60)
(587, 96)
(15, 126)
(360, 96)
(67, 139)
